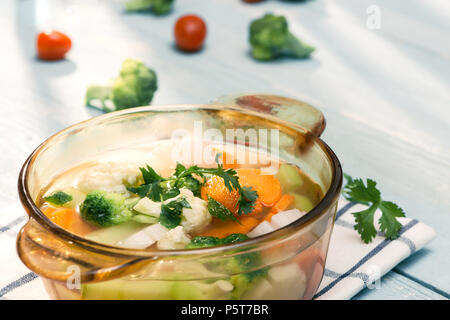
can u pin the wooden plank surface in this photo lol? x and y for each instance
(385, 93)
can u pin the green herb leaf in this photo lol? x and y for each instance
(247, 200)
(171, 212)
(141, 191)
(58, 198)
(218, 210)
(388, 222)
(355, 190)
(364, 223)
(150, 175)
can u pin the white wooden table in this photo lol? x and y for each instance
(385, 92)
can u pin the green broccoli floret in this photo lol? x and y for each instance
(156, 6)
(106, 209)
(134, 87)
(239, 264)
(243, 282)
(270, 38)
(58, 198)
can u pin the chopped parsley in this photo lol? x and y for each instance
(58, 198)
(218, 210)
(170, 216)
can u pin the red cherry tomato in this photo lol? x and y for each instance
(190, 32)
(52, 45)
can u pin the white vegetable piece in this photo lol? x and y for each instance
(144, 238)
(176, 238)
(262, 228)
(197, 217)
(283, 218)
(149, 207)
(279, 220)
(288, 281)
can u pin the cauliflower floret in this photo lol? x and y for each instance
(197, 217)
(175, 238)
(108, 177)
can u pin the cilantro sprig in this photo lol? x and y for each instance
(355, 190)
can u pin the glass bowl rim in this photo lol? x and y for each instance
(34, 212)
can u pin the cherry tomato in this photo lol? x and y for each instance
(52, 45)
(252, 1)
(190, 32)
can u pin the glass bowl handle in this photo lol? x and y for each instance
(297, 112)
(55, 258)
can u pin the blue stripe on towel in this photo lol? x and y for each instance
(12, 224)
(372, 253)
(344, 209)
(17, 283)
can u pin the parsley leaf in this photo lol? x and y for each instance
(388, 222)
(356, 191)
(150, 175)
(218, 210)
(170, 216)
(58, 198)
(247, 200)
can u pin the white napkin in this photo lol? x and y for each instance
(351, 265)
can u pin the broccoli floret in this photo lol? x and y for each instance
(238, 265)
(134, 87)
(156, 6)
(270, 38)
(58, 198)
(106, 209)
(243, 282)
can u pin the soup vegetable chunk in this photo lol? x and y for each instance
(186, 207)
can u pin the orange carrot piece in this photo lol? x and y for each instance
(216, 189)
(63, 217)
(225, 228)
(68, 219)
(267, 186)
(285, 201)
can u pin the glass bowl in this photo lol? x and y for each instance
(290, 261)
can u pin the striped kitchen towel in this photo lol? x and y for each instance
(351, 265)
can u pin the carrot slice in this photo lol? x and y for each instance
(225, 228)
(267, 186)
(285, 201)
(63, 217)
(68, 219)
(216, 189)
